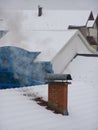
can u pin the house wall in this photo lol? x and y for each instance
(89, 31)
(93, 32)
(63, 58)
(84, 31)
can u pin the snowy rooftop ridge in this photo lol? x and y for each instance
(50, 19)
(43, 41)
(55, 46)
(55, 19)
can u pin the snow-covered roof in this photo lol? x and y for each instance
(53, 45)
(50, 19)
(55, 20)
(27, 31)
(47, 42)
(82, 70)
(90, 23)
(18, 112)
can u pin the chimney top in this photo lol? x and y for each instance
(39, 10)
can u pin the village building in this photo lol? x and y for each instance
(84, 21)
(42, 33)
(45, 36)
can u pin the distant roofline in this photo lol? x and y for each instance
(75, 27)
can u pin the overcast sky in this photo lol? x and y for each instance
(50, 4)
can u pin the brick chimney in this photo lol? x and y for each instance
(58, 97)
(39, 11)
(58, 92)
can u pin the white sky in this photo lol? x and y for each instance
(50, 4)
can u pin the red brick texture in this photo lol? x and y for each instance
(58, 96)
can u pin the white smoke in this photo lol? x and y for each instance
(14, 24)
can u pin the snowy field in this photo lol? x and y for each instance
(19, 112)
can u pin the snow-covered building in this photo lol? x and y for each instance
(20, 112)
(52, 20)
(48, 34)
(49, 19)
(84, 21)
(60, 46)
(55, 46)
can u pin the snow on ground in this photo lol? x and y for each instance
(18, 112)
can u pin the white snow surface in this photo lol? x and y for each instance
(18, 112)
(50, 19)
(55, 20)
(49, 43)
(90, 23)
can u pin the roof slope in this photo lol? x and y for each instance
(49, 43)
(50, 19)
(55, 20)
(20, 112)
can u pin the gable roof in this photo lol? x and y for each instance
(91, 17)
(40, 41)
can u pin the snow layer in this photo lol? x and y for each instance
(90, 23)
(86, 69)
(50, 19)
(55, 20)
(47, 42)
(18, 112)
(55, 46)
